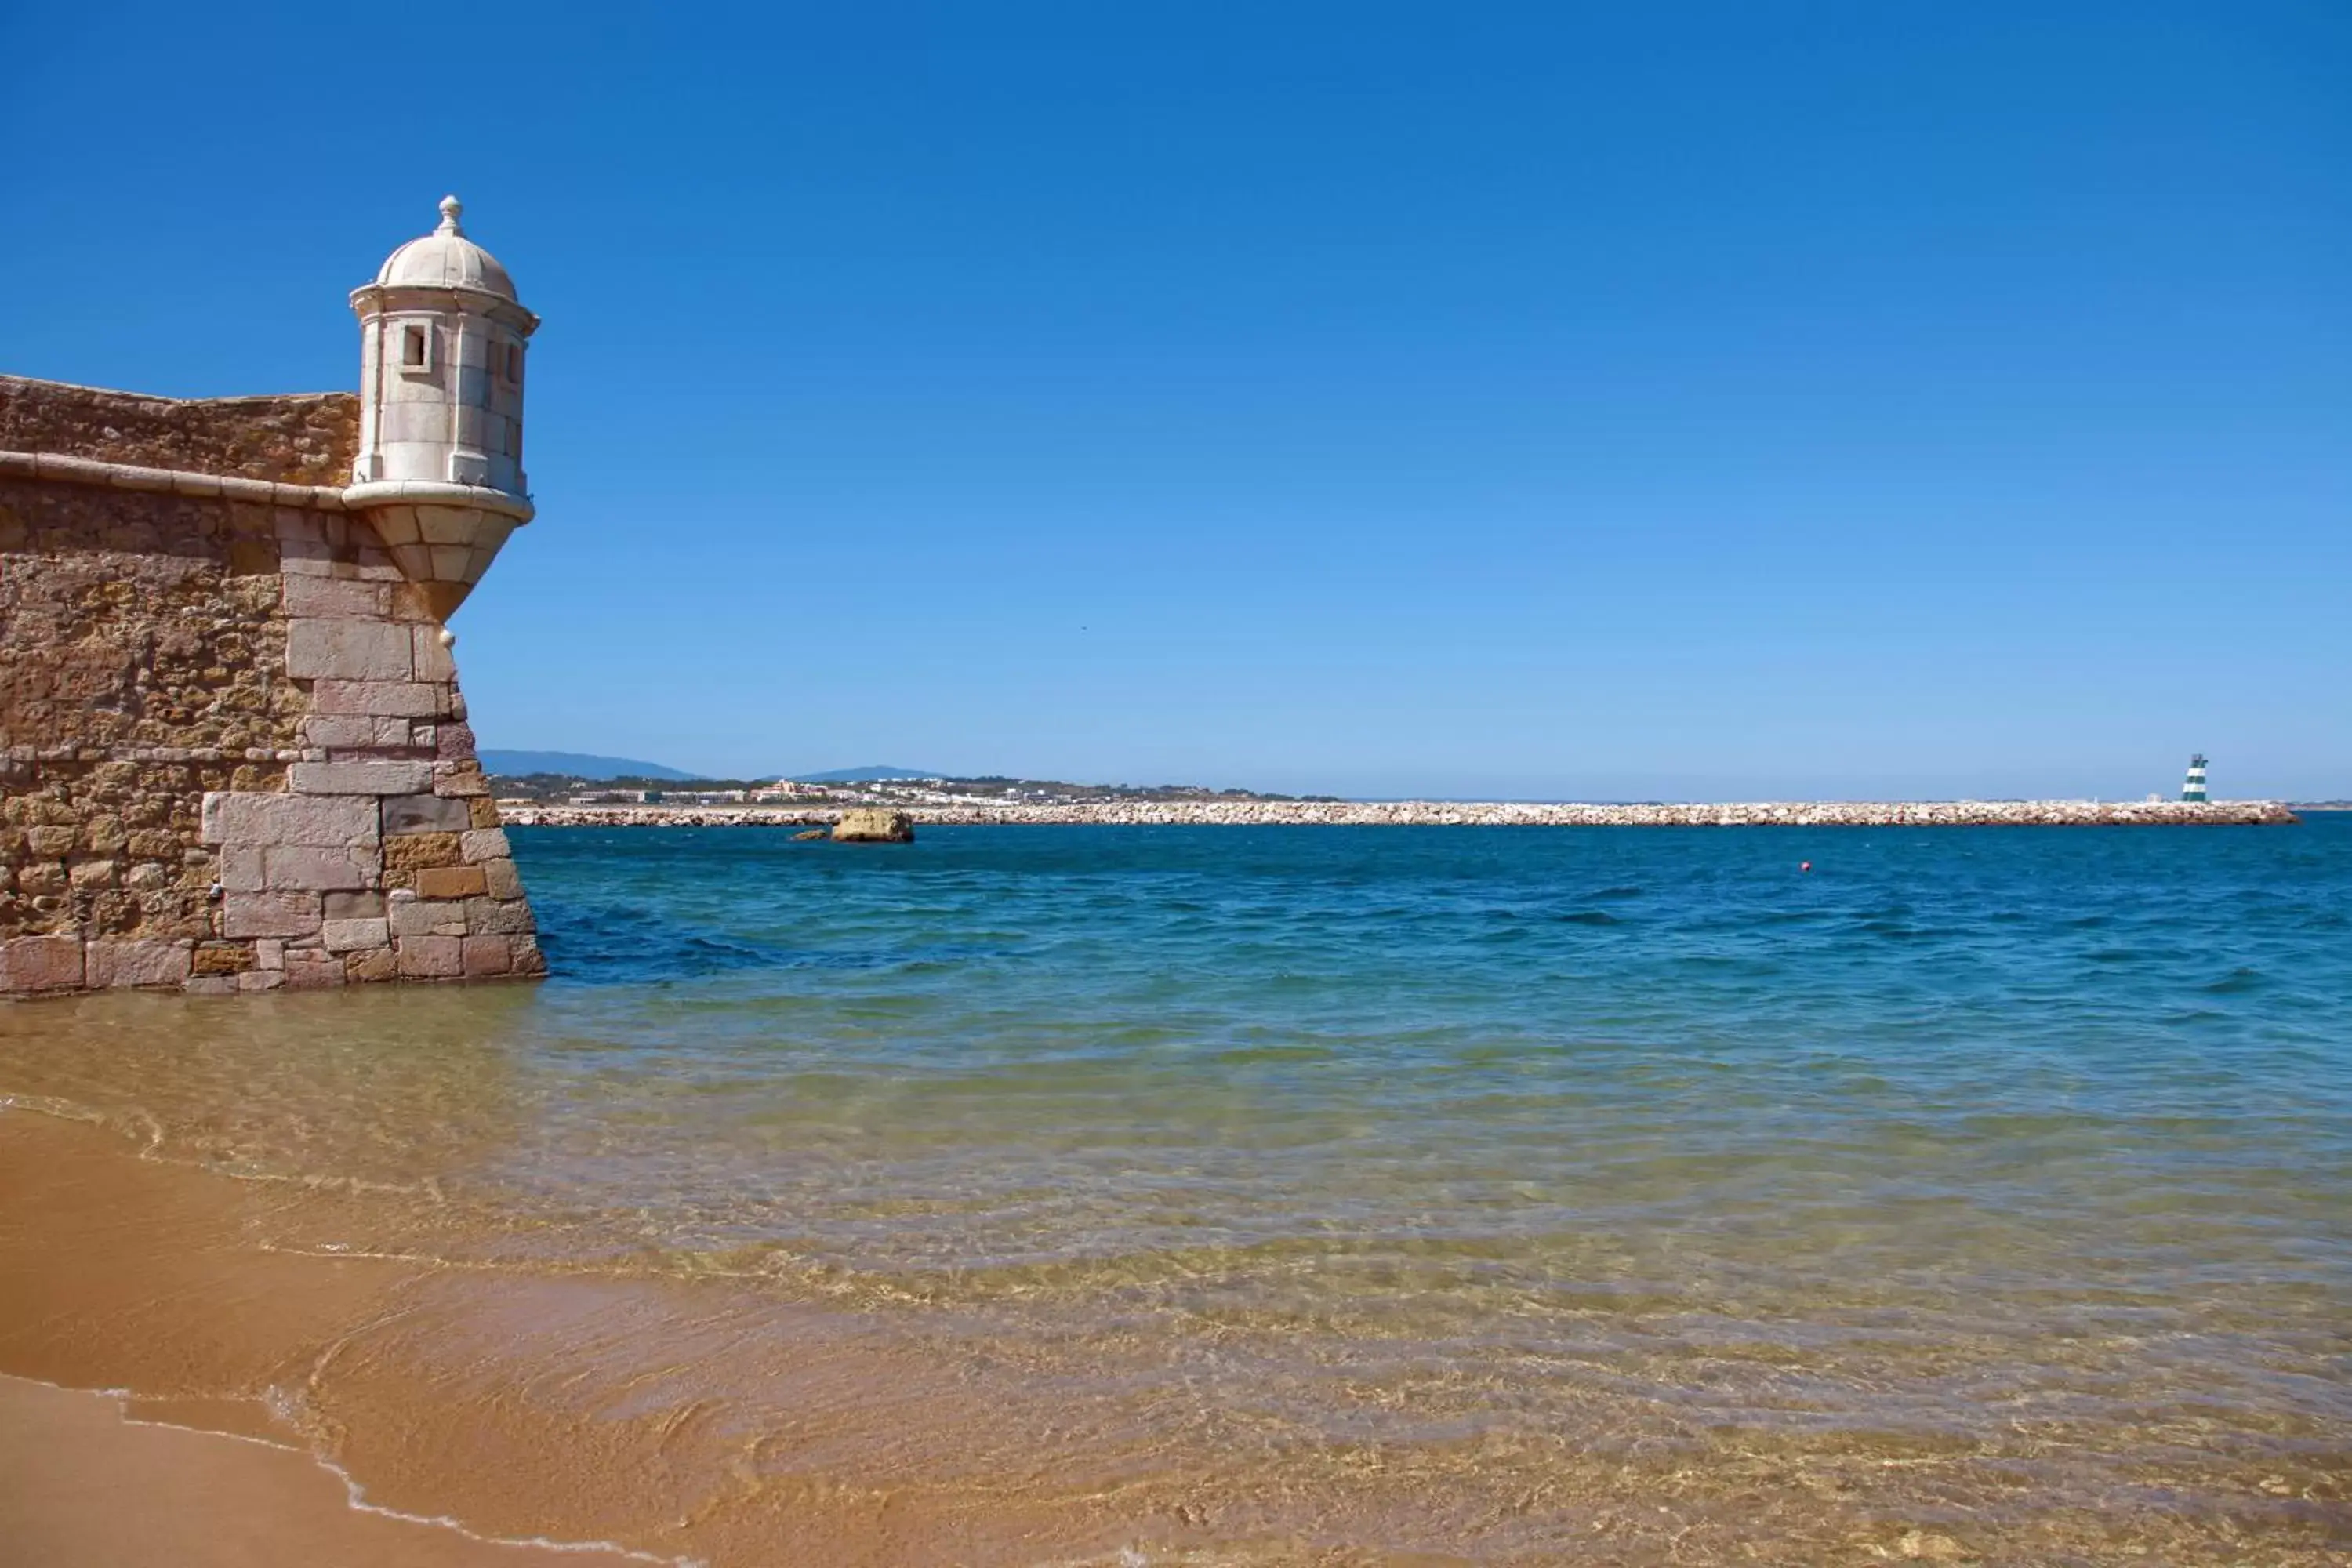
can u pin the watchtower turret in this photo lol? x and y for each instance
(439, 471)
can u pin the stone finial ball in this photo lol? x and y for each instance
(446, 637)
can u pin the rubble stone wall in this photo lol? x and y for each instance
(304, 439)
(232, 751)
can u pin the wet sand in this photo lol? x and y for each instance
(707, 1421)
(81, 1482)
(132, 1277)
(624, 1420)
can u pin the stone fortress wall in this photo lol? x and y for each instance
(232, 752)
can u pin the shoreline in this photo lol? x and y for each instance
(162, 1377)
(1452, 813)
(89, 1480)
(298, 1225)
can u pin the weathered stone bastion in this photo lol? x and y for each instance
(232, 752)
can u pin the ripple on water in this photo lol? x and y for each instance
(1969, 1154)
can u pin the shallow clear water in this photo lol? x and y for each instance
(2028, 1146)
(1476, 1056)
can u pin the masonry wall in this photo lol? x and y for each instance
(232, 751)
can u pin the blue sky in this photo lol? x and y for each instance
(1686, 399)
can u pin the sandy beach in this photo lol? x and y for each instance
(127, 1275)
(83, 1481)
(310, 1407)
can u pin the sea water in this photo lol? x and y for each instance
(2000, 1177)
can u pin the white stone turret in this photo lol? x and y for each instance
(440, 471)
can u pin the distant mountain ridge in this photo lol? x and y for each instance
(588, 765)
(866, 774)
(576, 764)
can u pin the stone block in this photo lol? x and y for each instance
(261, 980)
(108, 965)
(220, 958)
(485, 844)
(211, 985)
(415, 851)
(485, 811)
(420, 917)
(455, 743)
(314, 971)
(528, 959)
(354, 907)
(334, 597)
(41, 963)
(382, 698)
(460, 779)
(485, 955)
(48, 877)
(431, 958)
(510, 917)
(426, 814)
(430, 660)
(451, 882)
(297, 525)
(369, 968)
(269, 953)
(93, 876)
(55, 842)
(501, 880)
(244, 869)
(295, 868)
(149, 844)
(260, 818)
(346, 650)
(362, 778)
(269, 914)
(353, 731)
(411, 602)
(351, 936)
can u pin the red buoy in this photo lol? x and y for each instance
(1805, 866)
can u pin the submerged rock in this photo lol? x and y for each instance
(812, 833)
(874, 825)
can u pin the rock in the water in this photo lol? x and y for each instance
(874, 825)
(812, 833)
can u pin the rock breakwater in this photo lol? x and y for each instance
(1456, 813)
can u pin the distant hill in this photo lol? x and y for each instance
(578, 764)
(866, 774)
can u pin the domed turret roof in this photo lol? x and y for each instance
(446, 258)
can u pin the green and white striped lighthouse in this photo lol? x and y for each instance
(2193, 787)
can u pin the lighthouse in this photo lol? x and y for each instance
(2193, 787)
(439, 472)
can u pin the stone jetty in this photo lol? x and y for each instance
(1456, 813)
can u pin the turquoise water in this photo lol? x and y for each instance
(1998, 1179)
(1035, 1047)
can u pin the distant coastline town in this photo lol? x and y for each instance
(556, 799)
